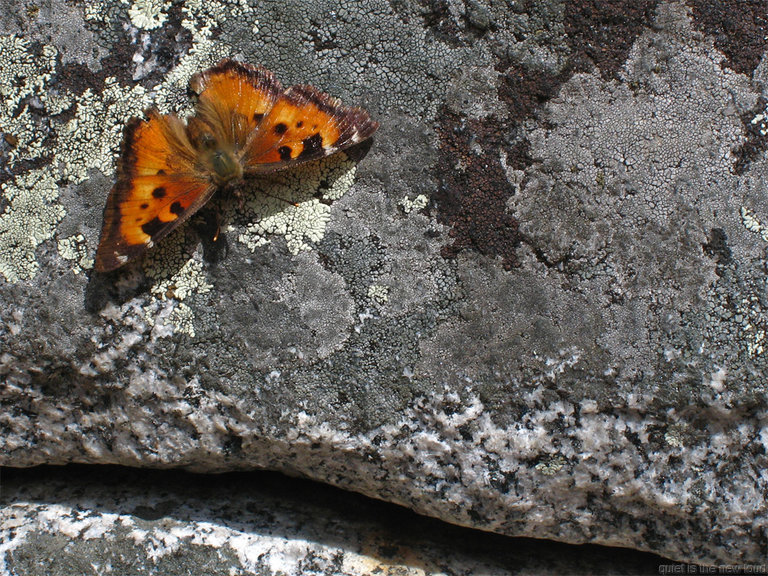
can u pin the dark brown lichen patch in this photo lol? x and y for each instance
(473, 189)
(601, 32)
(523, 91)
(755, 143)
(740, 29)
(77, 78)
(440, 22)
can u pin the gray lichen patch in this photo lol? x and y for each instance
(308, 290)
(342, 48)
(57, 23)
(654, 158)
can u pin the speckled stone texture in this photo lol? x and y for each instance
(114, 521)
(536, 307)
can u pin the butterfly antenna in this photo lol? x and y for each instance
(294, 204)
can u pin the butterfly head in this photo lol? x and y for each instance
(216, 155)
(224, 165)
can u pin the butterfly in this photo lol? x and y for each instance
(245, 124)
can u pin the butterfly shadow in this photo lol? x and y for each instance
(241, 206)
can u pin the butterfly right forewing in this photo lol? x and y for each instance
(304, 124)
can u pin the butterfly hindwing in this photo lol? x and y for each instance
(157, 189)
(304, 124)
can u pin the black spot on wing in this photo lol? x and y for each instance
(177, 208)
(257, 117)
(285, 153)
(281, 128)
(161, 172)
(152, 227)
(144, 206)
(159, 192)
(313, 146)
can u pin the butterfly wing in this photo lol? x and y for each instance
(304, 124)
(158, 188)
(233, 98)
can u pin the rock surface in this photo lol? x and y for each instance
(113, 521)
(537, 307)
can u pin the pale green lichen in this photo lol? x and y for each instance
(24, 76)
(753, 224)
(30, 218)
(754, 323)
(378, 294)
(99, 11)
(418, 203)
(176, 273)
(75, 249)
(749, 309)
(182, 318)
(273, 214)
(92, 138)
(550, 465)
(28, 136)
(148, 14)
(202, 16)
(674, 436)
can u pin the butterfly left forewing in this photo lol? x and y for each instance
(304, 124)
(158, 188)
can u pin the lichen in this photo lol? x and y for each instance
(752, 223)
(201, 16)
(30, 217)
(148, 14)
(272, 212)
(418, 203)
(378, 294)
(750, 312)
(75, 249)
(23, 74)
(176, 273)
(551, 465)
(23, 77)
(92, 138)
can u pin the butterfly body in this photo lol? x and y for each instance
(244, 125)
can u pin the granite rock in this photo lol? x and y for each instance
(536, 305)
(116, 521)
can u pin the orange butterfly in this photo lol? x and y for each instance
(244, 124)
